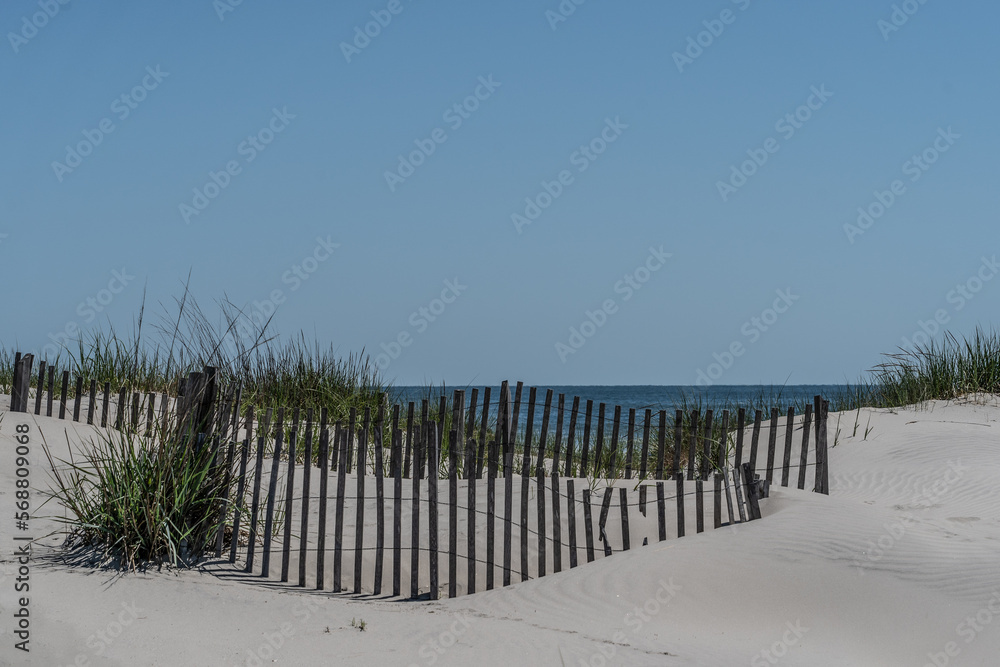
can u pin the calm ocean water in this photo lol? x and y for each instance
(640, 397)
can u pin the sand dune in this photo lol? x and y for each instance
(900, 565)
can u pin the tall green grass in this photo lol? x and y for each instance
(133, 500)
(271, 371)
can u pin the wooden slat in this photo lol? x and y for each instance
(272, 489)
(409, 440)
(255, 501)
(556, 524)
(90, 402)
(705, 464)
(729, 496)
(359, 522)
(623, 504)
(571, 436)
(306, 482)
(120, 411)
(453, 511)
(737, 483)
(241, 488)
(540, 483)
(661, 512)
(508, 498)
(41, 387)
(644, 457)
(741, 424)
(822, 472)
(136, 403)
(342, 436)
(678, 475)
(661, 445)
(470, 502)
(603, 521)
(630, 442)
(755, 438)
(585, 453)
(49, 398)
(491, 482)
(750, 488)
(804, 448)
(150, 412)
(286, 540)
(397, 513)
(483, 425)
(557, 447)
(612, 466)
(720, 465)
(415, 514)
(64, 392)
(515, 417)
(322, 463)
(772, 439)
(571, 520)
(588, 525)
(432, 507)
(599, 447)
(786, 459)
(693, 444)
(379, 500)
(352, 419)
(526, 481)
(699, 504)
(392, 445)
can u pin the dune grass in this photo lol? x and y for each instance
(134, 500)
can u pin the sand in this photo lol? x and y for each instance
(899, 565)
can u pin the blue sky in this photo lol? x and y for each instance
(727, 144)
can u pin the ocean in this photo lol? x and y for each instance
(640, 397)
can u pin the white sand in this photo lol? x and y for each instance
(892, 568)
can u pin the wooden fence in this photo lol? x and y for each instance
(473, 502)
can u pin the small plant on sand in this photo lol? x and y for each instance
(137, 500)
(359, 625)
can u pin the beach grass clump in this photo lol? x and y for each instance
(272, 372)
(938, 370)
(133, 500)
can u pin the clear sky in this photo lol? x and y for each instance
(674, 169)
